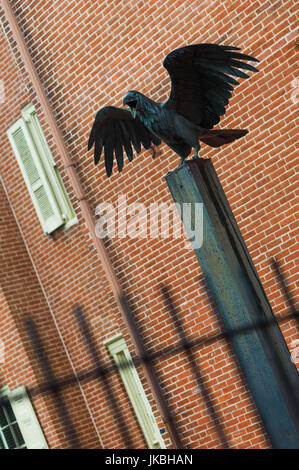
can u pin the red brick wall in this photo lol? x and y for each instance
(21, 298)
(88, 54)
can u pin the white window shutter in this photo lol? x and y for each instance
(35, 177)
(27, 420)
(121, 355)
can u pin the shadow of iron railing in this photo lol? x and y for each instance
(102, 370)
(54, 387)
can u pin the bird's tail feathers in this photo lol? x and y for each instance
(216, 138)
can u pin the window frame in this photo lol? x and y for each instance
(145, 417)
(25, 418)
(4, 393)
(46, 168)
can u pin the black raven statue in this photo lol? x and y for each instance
(201, 85)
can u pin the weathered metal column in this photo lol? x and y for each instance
(242, 303)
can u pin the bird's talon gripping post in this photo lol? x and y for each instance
(155, 151)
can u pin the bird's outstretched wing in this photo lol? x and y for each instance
(113, 130)
(202, 79)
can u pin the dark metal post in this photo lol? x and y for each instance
(241, 301)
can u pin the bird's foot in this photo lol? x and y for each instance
(181, 162)
(155, 151)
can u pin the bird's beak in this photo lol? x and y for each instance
(131, 102)
(133, 112)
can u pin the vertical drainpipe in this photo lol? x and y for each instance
(89, 220)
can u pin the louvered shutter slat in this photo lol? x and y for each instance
(26, 419)
(35, 177)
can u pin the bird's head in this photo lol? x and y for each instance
(132, 100)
